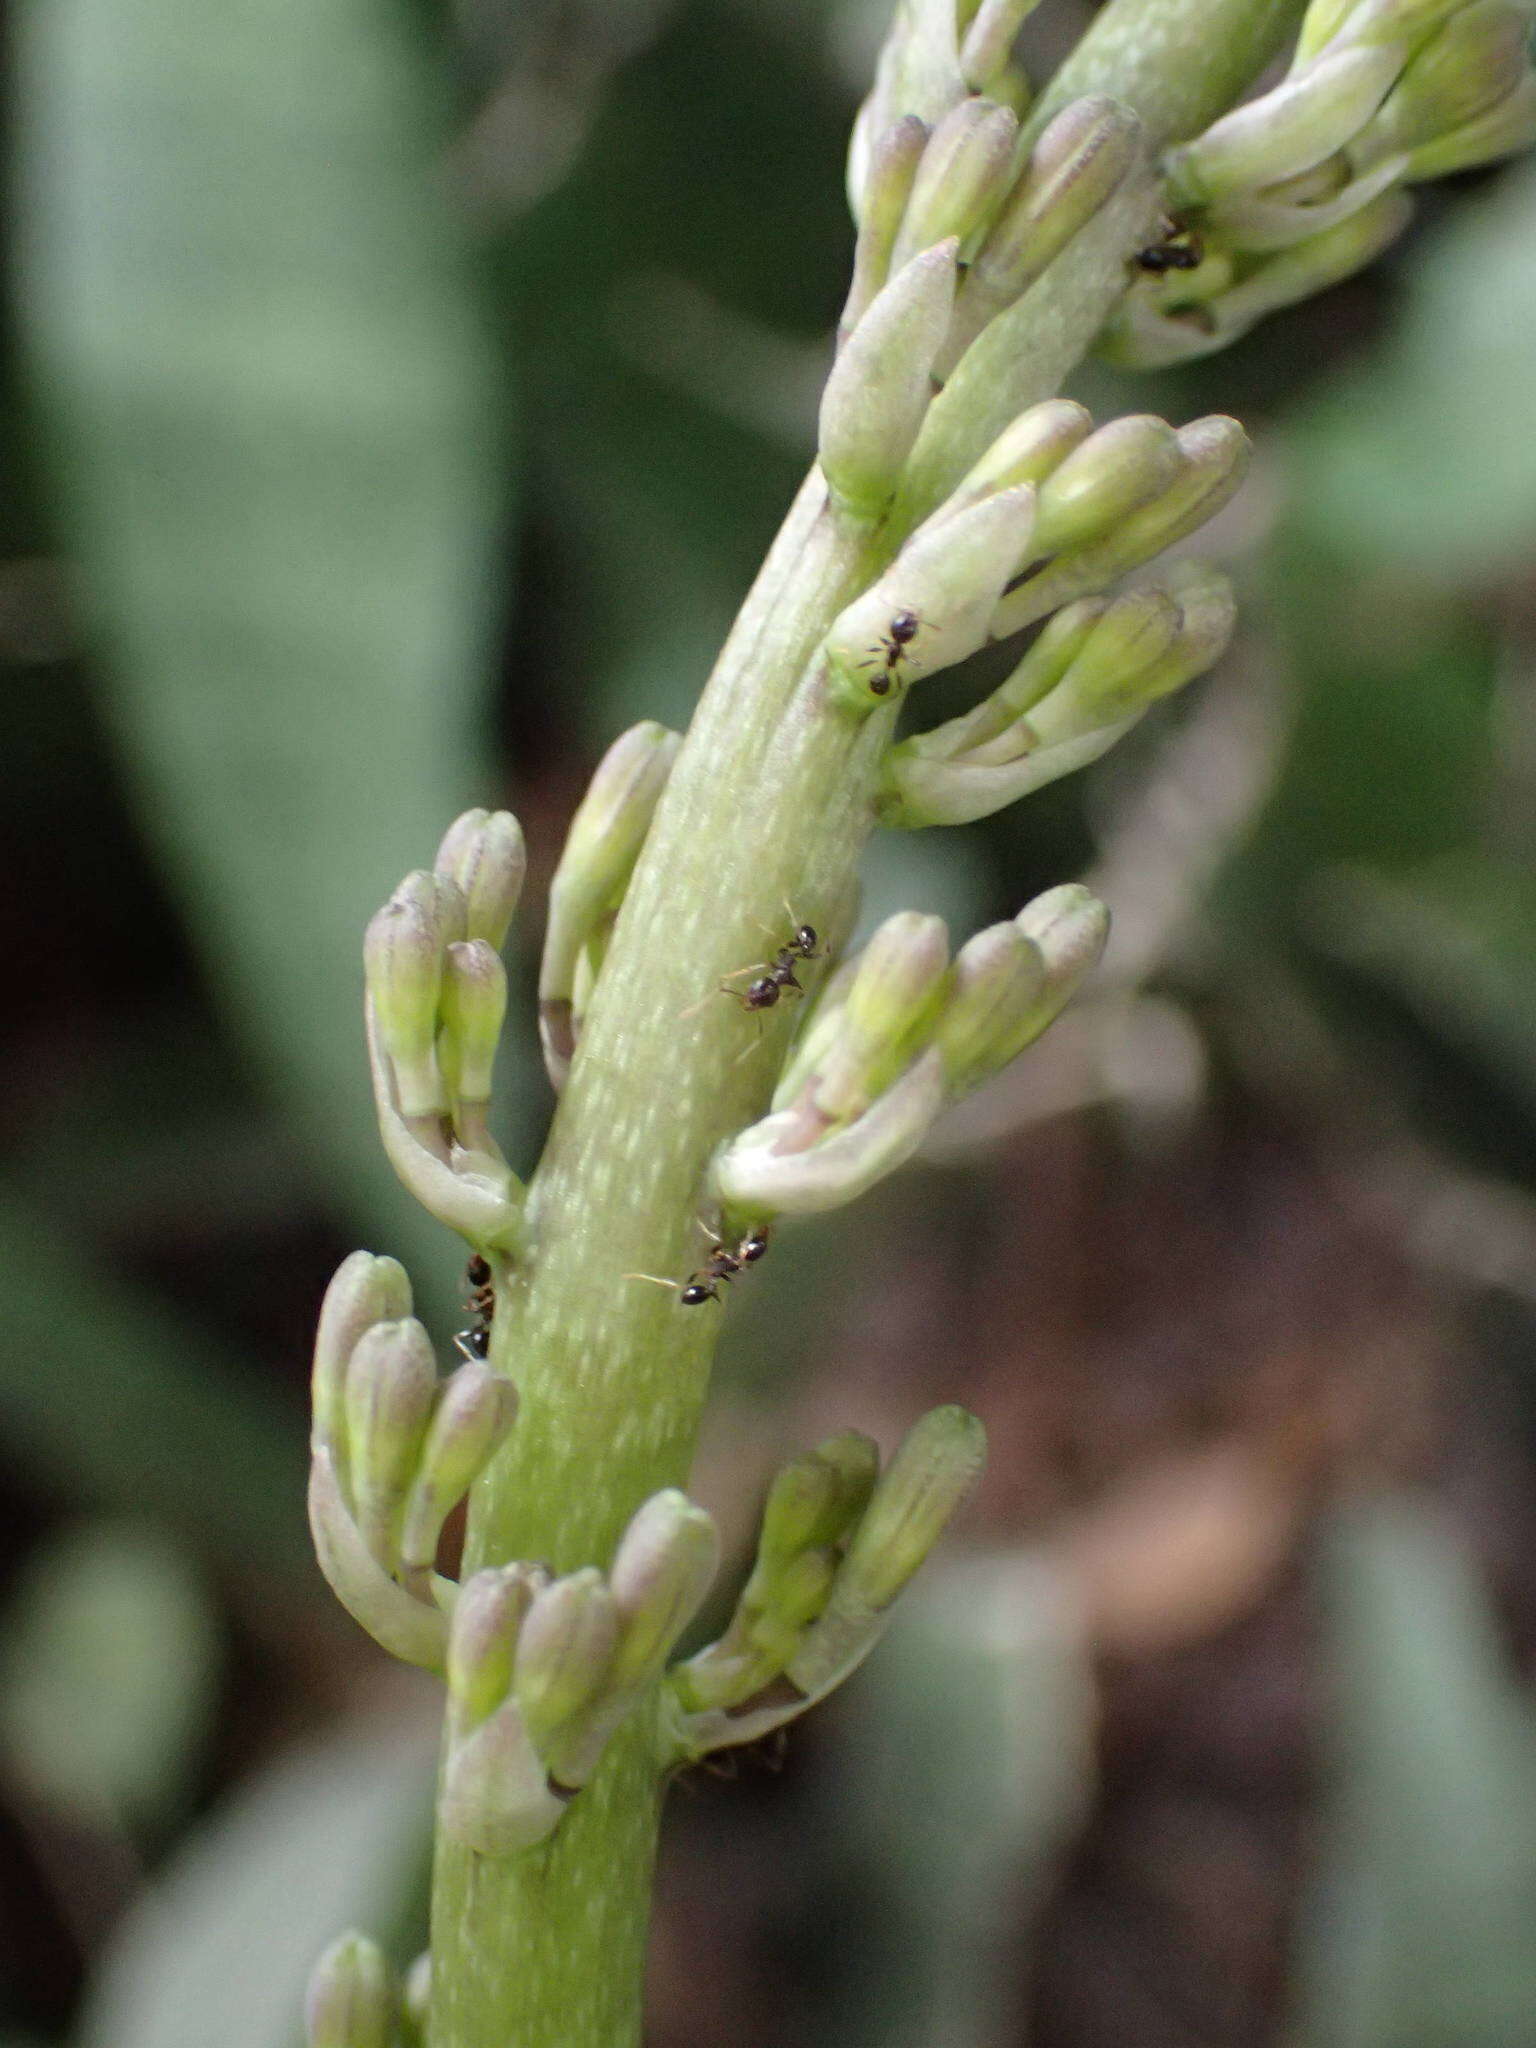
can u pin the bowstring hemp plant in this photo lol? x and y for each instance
(1134, 205)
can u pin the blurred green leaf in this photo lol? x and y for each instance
(1419, 1935)
(258, 341)
(1428, 452)
(113, 1399)
(221, 1949)
(108, 1656)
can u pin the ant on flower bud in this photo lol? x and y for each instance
(892, 650)
(723, 1263)
(475, 1342)
(1177, 248)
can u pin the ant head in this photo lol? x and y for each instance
(805, 939)
(753, 1247)
(763, 993)
(695, 1292)
(474, 1343)
(478, 1271)
(904, 627)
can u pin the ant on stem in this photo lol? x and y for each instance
(723, 1264)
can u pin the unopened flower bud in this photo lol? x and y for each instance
(484, 855)
(476, 1407)
(474, 1007)
(989, 39)
(661, 1571)
(1475, 61)
(601, 849)
(391, 1385)
(366, 1290)
(999, 979)
(353, 1999)
(1303, 121)
(482, 1638)
(892, 1004)
(1135, 630)
(1117, 470)
(815, 1499)
(881, 383)
(1070, 927)
(495, 1795)
(403, 957)
(565, 1657)
(960, 180)
(892, 167)
(1500, 131)
(1026, 452)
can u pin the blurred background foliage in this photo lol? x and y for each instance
(397, 400)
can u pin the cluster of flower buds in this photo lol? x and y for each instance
(437, 996)
(839, 1541)
(899, 1032)
(542, 1671)
(959, 215)
(1053, 511)
(1303, 185)
(601, 849)
(393, 1449)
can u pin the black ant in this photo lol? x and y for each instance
(765, 989)
(1177, 248)
(723, 1263)
(475, 1342)
(892, 649)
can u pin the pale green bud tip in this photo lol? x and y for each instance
(1114, 472)
(1305, 120)
(1026, 452)
(475, 1409)
(482, 1636)
(353, 1998)
(615, 814)
(1475, 61)
(1079, 161)
(935, 1467)
(816, 1498)
(484, 856)
(880, 385)
(961, 178)
(662, 1570)
(898, 978)
(474, 1007)
(565, 1652)
(989, 39)
(999, 980)
(366, 1290)
(391, 1384)
(403, 952)
(1070, 928)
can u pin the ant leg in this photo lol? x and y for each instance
(654, 1278)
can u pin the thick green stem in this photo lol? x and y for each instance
(769, 805)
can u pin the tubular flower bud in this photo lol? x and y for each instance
(565, 1657)
(918, 74)
(1027, 452)
(403, 957)
(1470, 65)
(1300, 124)
(1214, 454)
(353, 1999)
(880, 384)
(999, 980)
(474, 1007)
(483, 1636)
(989, 39)
(601, 849)
(892, 167)
(407, 1627)
(765, 1632)
(815, 1499)
(942, 589)
(1116, 471)
(961, 179)
(662, 1570)
(1079, 162)
(366, 1290)
(892, 1004)
(475, 1409)
(1500, 131)
(1257, 224)
(390, 1389)
(483, 855)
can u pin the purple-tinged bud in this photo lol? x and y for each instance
(366, 1290)
(475, 1409)
(390, 1390)
(892, 167)
(403, 958)
(961, 179)
(482, 1638)
(664, 1565)
(565, 1657)
(484, 856)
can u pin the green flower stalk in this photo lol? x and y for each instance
(958, 501)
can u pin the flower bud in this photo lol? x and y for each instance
(495, 1797)
(892, 167)
(1135, 629)
(989, 39)
(1258, 223)
(892, 1004)
(1473, 63)
(1026, 452)
(482, 1638)
(947, 579)
(408, 1628)
(881, 383)
(353, 1999)
(1114, 473)
(474, 1007)
(403, 958)
(1302, 122)
(601, 849)
(484, 856)
(366, 1290)
(960, 180)
(1078, 163)
(418, 1998)
(475, 1409)
(815, 1499)
(775, 1168)
(1070, 927)
(391, 1385)
(1214, 455)
(565, 1656)
(999, 979)
(1500, 131)
(663, 1568)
